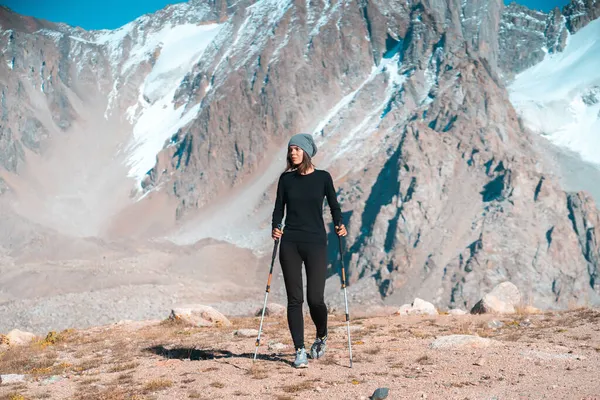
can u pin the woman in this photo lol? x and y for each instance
(301, 190)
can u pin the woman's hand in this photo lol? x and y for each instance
(276, 234)
(341, 230)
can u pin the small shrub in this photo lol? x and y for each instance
(16, 396)
(157, 384)
(298, 387)
(123, 367)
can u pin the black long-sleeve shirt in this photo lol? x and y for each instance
(302, 197)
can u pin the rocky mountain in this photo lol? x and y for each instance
(526, 36)
(175, 125)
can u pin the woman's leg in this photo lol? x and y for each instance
(315, 260)
(291, 265)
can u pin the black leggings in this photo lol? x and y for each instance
(314, 256)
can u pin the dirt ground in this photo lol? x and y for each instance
(542, 356)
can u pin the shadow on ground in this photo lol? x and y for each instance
(183, 353)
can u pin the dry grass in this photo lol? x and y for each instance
(88, 365)
(420, 334)
(381, 373)
(513, 324)
(256, 372)
(24, 359)
(125, 379)
(56, 369)
(424, 360)
(373, 351)
(89, 381)
(512, 337)
(218, 385)
(53, 338)
(581, 337)
(156, 385)
(328, 361)
(124, 367)
(111, 393)
(14, 396)
(298, 387)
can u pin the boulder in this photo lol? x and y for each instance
(199, 315)
(495, 324)
(11, 378)
(19, 338)
(418, 307)
(342, 330)
(277, 346)
(246, 332)
(460, 341)
(273, 309)
(503, 299)
(456, 311)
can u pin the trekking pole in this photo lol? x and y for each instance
(345, 298)
(280, 226)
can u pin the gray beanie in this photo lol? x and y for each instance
(305, 142)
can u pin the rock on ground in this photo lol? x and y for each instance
(418, 307)
(199, 315)
(460, 341)
(277, 346)
(343, 329)
(503, 299)
(456, 311)
(246, 332)
(272, 309)
(19, 338)
(11, 378)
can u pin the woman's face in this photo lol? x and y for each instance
(296, 154)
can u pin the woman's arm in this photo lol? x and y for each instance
(334, 206)
(279, 205)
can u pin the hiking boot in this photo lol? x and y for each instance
(301, 359)
(318, 348)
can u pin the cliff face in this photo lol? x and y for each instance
(526, 36)
(443, 191)
(580, 13)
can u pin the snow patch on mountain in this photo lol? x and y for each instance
(557, 97)
(360, 134)
(154, 116)
(181, 48)
(335, 118)
(258, 27)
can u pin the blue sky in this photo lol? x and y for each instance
(88, 14)
(111, 14)
(544, 5)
